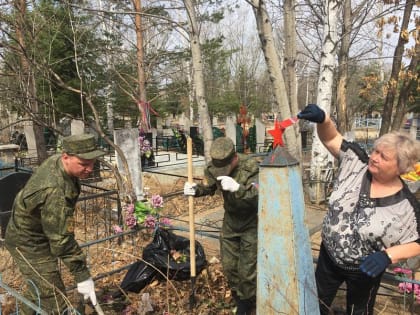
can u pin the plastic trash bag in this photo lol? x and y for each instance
(168, 253)
(138, 276)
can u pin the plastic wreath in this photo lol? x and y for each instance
(146, 213)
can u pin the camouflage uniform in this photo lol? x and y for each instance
(41, 230)
(239, 230)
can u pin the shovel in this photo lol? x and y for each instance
(191, 223)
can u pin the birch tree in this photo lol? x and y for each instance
(290, 52)
(198, 78)
(274, 68)
(320, 157)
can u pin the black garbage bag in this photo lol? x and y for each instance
(138, 276)
(170, 254)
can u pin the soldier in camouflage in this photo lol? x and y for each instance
(41, 228)
(236, 176)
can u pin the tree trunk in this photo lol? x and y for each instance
(198, 79)
(29, 85)
(343, 62)
(144, 122)
(380, 44)
(290, 62)
(410, 81)
(321, 158)
(265, 33)
(396, 67)
(108, 87)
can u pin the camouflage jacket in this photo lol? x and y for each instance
(42, 222)
(241, 207)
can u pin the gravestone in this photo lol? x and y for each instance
(154, 135)
(260, 127)
(77, 127)
(28, 130)
(8, 152)
(159, 123)
(230, 128)
(128, 141)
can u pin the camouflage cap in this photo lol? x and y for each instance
(222, 151)
(82, 146)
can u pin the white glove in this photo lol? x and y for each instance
(189, 189)
(87, 288)
(228, 183)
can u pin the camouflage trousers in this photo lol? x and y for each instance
(239, 260)
(44, 286)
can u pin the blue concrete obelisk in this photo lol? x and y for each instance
(285, 281)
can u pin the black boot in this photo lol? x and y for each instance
(235, 297)
(245, 307)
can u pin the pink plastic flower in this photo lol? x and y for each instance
(165, 222)
(130, 208)
(405, 287)
(150, 222)
(416, 289)
(130, 220)
(157, 201)
(117, 229)
(403, 271)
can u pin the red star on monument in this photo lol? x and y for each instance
(279, 128)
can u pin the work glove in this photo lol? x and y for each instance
(87, 288)
(228, 183)
(189, 189)
(312, 113)
(375, 263)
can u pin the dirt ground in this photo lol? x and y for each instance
(164, 296)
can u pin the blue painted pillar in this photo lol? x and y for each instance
(285, 281)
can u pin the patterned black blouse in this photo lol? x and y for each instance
(357, 225)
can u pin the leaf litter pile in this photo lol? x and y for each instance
(162, 295)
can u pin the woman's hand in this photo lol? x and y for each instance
(312, 112)
(375, 264)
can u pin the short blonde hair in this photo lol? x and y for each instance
(407, 149)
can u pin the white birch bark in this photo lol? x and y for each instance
(274, 67)
(290, 62)
(198, 78)
(320, 156)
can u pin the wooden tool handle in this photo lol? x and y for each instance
(191, 208)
